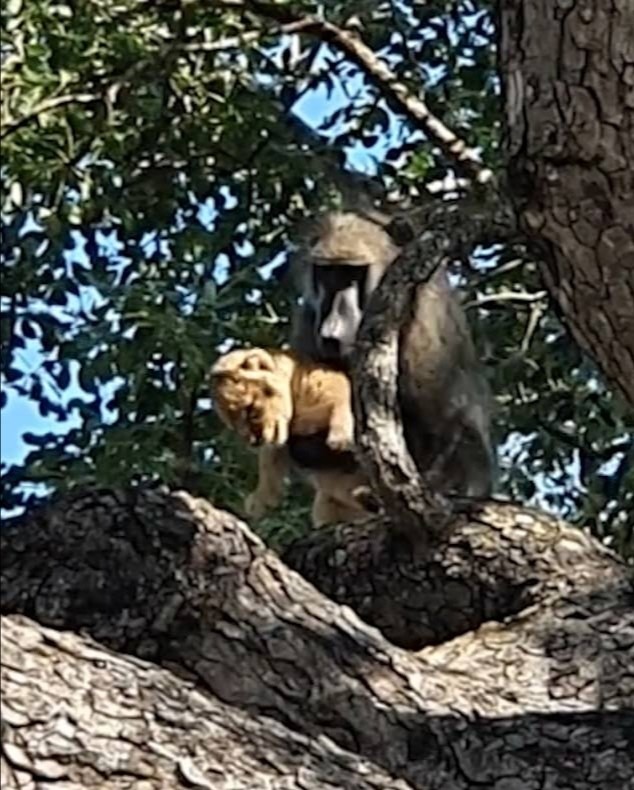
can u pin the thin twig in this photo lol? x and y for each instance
(248, 37)
(48, 105)
(384, 78)
(537, 311)
(498, 271)
(506, 296)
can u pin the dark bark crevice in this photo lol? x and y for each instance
(497, 561)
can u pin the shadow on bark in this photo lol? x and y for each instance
(172, 580)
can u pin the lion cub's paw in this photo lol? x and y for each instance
(274, 430)
(340, 437)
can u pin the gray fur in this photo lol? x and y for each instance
(445, 400)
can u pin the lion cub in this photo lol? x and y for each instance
(268, 396)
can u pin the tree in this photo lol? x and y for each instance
(271, 683)
(524, 624)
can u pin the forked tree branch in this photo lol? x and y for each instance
(378, 72)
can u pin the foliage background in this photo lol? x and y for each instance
(154, 162)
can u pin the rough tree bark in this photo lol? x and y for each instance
(78, 716)
(568, 76)
(505, 655)
(171, 580)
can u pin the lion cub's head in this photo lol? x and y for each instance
(252, 397)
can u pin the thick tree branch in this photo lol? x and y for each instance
(111, 721)
(499, 560)
(452, 230)
(170, 579)
(379, 73)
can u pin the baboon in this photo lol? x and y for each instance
(269, 396)
(443, 396)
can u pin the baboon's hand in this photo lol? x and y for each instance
(366, 498)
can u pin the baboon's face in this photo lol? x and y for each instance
(343, 263)
(340, 294)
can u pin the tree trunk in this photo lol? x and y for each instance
(568, 76)
(169, 579)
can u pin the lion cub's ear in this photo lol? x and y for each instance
(223, 367)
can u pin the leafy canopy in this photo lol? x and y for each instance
(154, 160)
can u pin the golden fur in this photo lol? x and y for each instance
(267, 396)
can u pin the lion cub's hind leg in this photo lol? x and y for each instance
(340, 496)
(327, 510)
